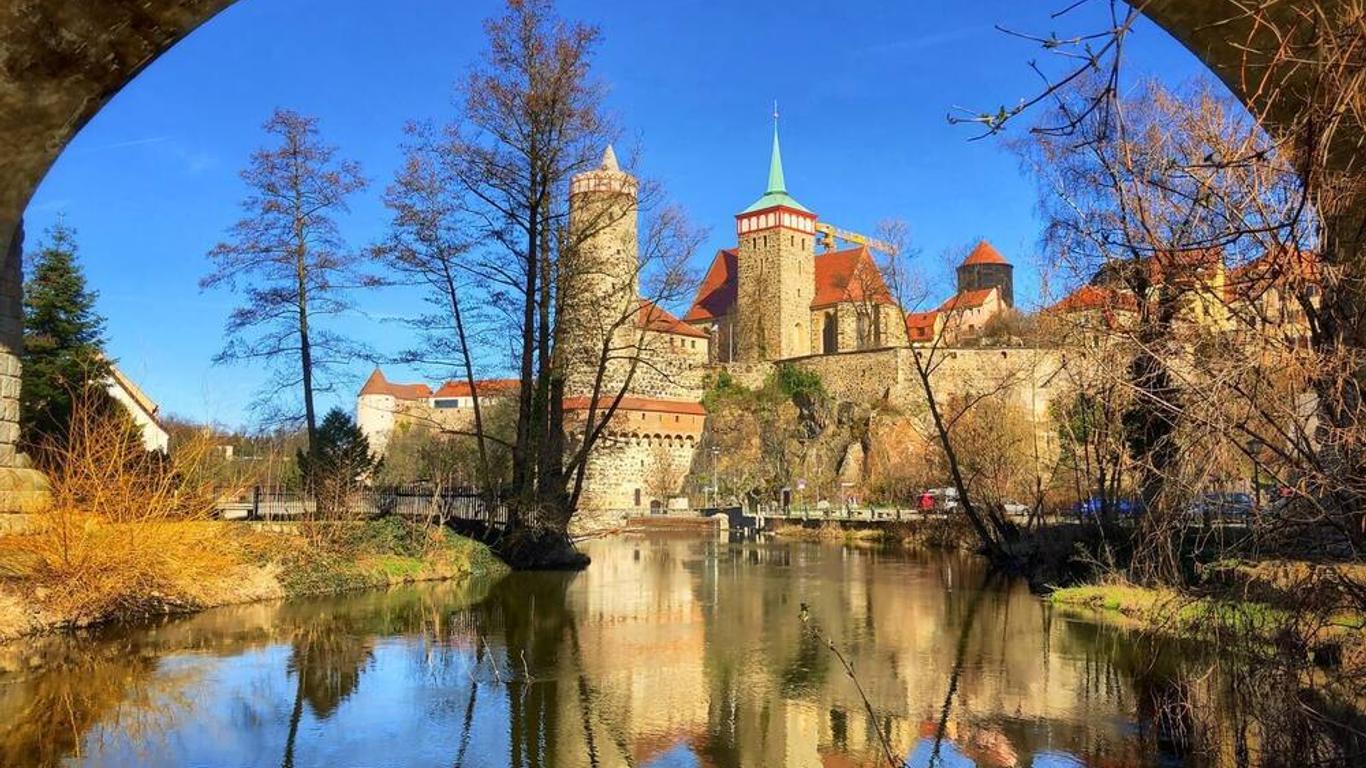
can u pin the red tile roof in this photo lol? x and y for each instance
(984, 253)
(848, 275)
(1090, 297)
(921, 324)
(1286, 265)
(487, 388)
(378, 385)
(655, 318)
(967, 300)
(638, 404)
(716, 296)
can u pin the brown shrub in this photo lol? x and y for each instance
(127, 532)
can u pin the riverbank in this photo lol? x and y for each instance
(1329, 637)
(832, 532)
(260, 563)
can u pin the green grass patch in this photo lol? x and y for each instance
(1170, 611)
(380, 553)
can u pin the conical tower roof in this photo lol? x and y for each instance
(984, 253)
(776, 194)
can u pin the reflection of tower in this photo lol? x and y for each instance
(598, 280)
(776, 268)
(985, 267)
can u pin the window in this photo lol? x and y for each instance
(452, 402)
(830, 334)
(637, 497)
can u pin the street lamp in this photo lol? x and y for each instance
(715, 487)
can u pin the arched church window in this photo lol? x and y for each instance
(830, 333)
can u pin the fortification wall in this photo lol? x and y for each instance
(864, 377)
(626, 474)
(890, 374)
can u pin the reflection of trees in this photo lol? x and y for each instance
(530, 612)
(44, 719)
(959, 656)
(326, 663)
(110, 681)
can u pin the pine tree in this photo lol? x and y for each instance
(339, 460)
(63, 339)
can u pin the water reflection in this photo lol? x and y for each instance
(667, 652)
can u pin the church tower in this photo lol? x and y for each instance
(598, 274)
(776, 263)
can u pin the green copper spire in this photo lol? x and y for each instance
(777, 185)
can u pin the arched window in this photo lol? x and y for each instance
(830, 333)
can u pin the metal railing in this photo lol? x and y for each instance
(411, 501)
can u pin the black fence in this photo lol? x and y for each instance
(410, 501)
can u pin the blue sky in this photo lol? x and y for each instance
(151, 183)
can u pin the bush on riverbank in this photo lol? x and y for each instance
(370, 554)
(129, 534)
(1235, 624)
(127, 531)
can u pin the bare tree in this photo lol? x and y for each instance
(288, 260)
(483, 217)
(429, 245)
(927, 356)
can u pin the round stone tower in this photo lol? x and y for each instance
(985, 267)
(598, 275)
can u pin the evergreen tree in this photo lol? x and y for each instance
(63, 338)
(339, 460)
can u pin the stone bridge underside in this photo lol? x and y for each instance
(62, 60)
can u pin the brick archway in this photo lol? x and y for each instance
(62, 60)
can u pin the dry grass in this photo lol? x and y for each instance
(127, 532)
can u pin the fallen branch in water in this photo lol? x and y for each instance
(849, 670)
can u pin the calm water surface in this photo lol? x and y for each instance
(666, 652)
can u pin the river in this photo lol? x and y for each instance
(667, 651)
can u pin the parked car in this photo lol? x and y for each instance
(1124, 508)
(945, 499)
(1016, 509)
(1219, 505)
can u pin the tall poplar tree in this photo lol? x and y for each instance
(288, 260)
(63, 339)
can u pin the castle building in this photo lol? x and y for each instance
(772, 297)
(614, 348)
(384, 406)
(647, 445)
(986, 268)
(986, 289)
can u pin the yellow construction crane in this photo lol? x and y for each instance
(830, 233)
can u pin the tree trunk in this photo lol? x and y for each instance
(1340, 340)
